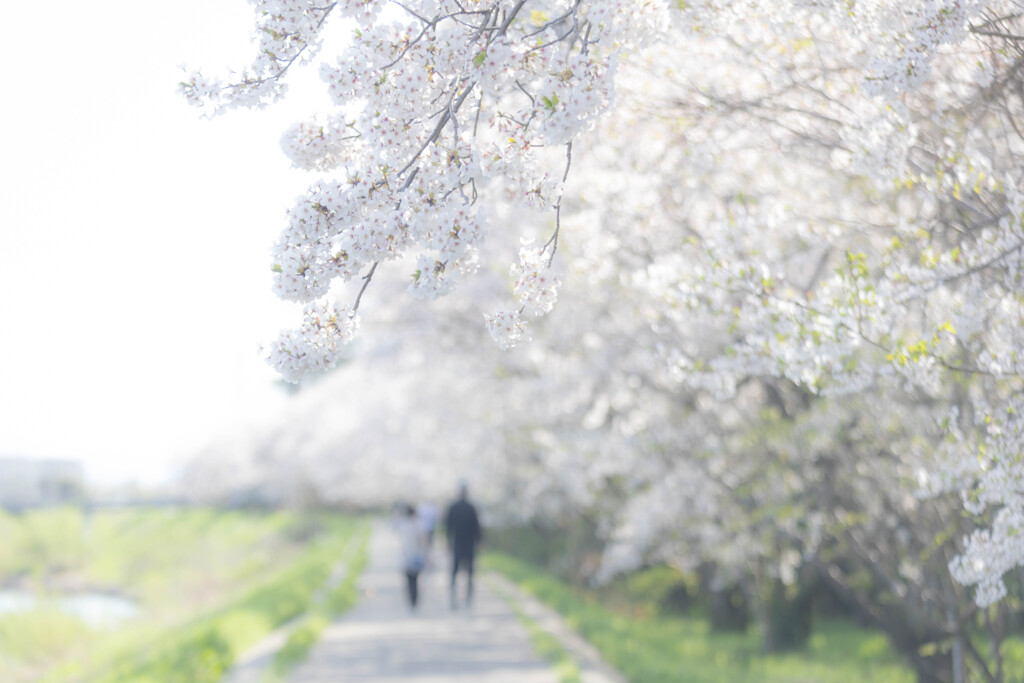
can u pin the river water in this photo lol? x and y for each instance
(95, 609)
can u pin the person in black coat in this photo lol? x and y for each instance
(462, 528)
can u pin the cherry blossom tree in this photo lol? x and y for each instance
(811, 209)
(858, 288)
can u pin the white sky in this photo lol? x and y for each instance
(134, 236)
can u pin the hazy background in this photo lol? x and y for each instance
(135, 287)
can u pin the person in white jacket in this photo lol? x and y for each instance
(413, 546)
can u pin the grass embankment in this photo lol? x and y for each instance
(683, 649)
(338, 600)
(208, 584)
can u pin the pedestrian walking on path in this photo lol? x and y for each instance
(462, 527)
(413, 545)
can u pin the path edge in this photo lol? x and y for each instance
(593, 667)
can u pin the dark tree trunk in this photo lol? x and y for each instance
(727, 609)
(935, 668)
(786, 621)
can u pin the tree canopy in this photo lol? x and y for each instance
(787, 238)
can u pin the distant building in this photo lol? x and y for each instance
(28, 483)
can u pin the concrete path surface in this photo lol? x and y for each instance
(382, 641)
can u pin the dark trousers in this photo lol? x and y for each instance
(463, 562)
(412, 581)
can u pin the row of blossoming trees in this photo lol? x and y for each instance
(788, 241)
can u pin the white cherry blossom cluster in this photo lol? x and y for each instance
(994, 479)
(285, 31)
(319, 146)
(911, 35)
(536, 289)
(315, 346)
(990, 554)
(535, 286)
(505, 327)
(439, 104)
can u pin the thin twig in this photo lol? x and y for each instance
(366, 283)
(553, 241)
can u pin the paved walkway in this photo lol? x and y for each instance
(382, 641)
(253, 664)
